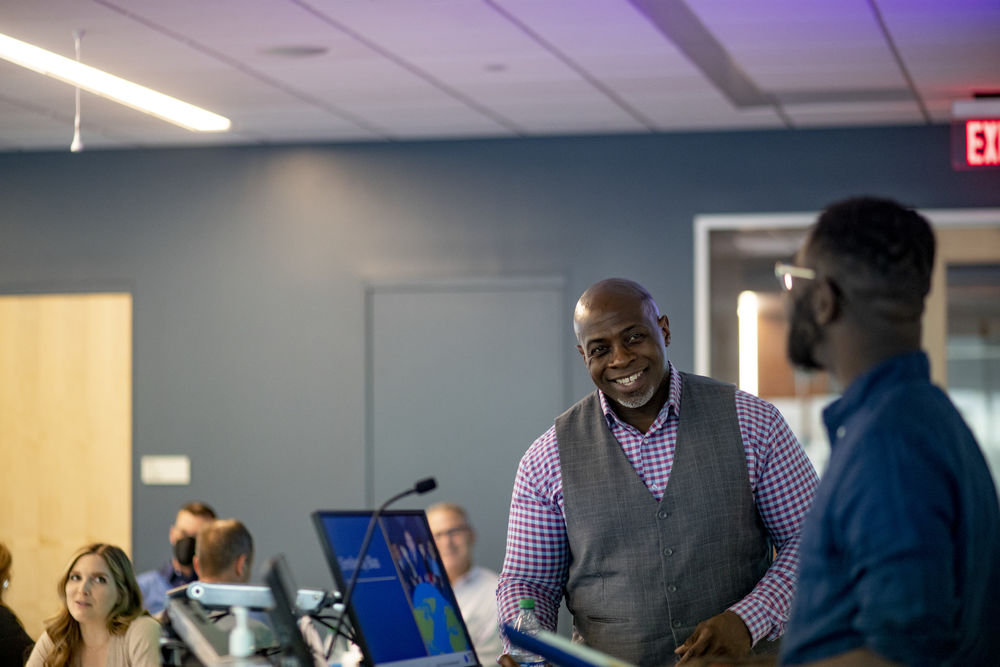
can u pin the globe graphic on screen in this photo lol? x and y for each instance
(438, 621)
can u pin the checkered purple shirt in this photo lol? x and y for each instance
(781, 476)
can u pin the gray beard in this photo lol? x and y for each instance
(638, 401)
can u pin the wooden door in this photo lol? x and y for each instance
(65, 437)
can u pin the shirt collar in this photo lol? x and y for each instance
(900, 368)
(673, 401)
(175, 578)
(468, 577)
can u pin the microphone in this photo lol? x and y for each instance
(422, 486)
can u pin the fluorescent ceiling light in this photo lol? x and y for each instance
(112, 87)
(985, 107)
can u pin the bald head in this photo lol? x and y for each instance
(612, 294)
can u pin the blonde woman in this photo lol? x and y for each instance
(14, 641)
(101, 623)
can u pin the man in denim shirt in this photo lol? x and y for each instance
(900, 556)
(179, 570)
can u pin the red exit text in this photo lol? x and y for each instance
(982, 143)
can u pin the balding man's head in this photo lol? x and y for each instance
(623, 339)
(612, 293)
(224, 552)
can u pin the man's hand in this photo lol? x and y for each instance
(722, 635)
(506, 661)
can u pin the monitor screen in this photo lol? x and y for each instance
(403, 609)
(292, 646)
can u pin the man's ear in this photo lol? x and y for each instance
(196, 565)
(242, 567)
(664, 323)
(825, 302)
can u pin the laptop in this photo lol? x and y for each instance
(560, 651)
(403, 610)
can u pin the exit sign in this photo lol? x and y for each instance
(979, 144)
(975, 139)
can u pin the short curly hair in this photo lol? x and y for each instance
(878, 248)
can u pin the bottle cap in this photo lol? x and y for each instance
(526, 603)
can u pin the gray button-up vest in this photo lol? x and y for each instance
(643, 574)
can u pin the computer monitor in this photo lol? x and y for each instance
(293, 649)
(403, 609)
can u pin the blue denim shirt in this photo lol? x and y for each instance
(901, 550)
(154, 584)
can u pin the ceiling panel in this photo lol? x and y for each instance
(800, 46)
(373, 70)
(949, 48)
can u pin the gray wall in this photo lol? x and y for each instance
(248, 268)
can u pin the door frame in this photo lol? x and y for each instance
(935, 324)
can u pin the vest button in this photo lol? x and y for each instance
(676, 623)
(668, 552)
(672, 588)
(663, 514)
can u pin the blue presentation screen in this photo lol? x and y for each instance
(403, 609)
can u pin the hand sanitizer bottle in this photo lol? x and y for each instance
(241, 636)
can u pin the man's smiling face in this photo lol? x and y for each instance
(624, 345)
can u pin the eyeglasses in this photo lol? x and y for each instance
(452, 532)
(786, 273)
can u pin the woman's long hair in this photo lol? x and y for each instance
(63, 629)
(6, 563)
(6, 560)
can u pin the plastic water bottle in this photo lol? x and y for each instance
(527, 623)
(241, 644)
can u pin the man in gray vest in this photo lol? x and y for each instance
(653, 572)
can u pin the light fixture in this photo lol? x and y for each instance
(77, 144)
(746, 310)
(110, 86)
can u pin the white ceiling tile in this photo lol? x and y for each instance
(398, 69)
(786, 45)
(951, 49)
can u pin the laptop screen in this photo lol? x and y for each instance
(403, 609)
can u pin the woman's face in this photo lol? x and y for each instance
(91, 593)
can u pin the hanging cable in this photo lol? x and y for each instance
(77, 144)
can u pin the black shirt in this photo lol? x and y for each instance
(15, 644)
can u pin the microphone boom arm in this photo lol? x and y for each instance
(422, 486)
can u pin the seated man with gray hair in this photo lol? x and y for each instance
(475, 587)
